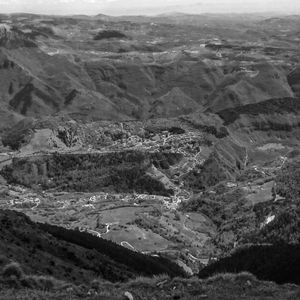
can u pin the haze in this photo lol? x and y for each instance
(146, 7)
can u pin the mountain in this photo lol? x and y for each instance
(147, 145)
(43, 75)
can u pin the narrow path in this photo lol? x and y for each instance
(126, 245)
(37, 203)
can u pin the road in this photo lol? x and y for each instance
(108, 226)
(127, 245)
(93, 232)
(193, 257)
(185, 227)
(37, 203)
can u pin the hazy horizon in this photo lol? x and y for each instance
(146, 7)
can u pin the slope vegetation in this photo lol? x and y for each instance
(279, 263)
(72, 256)
(238, 89)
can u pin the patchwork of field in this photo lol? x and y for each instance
(260, 193)
(143, 223)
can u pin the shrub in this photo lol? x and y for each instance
(39, 282)
(176, 216)
(18, 135)
(11, 88)
(13, 269)
(109, 34)
(243, 276)
(3, 260)
(272, 106)
(99, 285)
(279, 263)
(147, 281)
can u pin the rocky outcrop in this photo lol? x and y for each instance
(11, 37)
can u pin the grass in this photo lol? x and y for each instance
(243, 276)
(218, 287)
(26, 294)
(12, 276)
(147, 281)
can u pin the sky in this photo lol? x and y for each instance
(148, 7)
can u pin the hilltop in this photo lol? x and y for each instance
(59, 65)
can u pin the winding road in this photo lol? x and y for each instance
(127, 245)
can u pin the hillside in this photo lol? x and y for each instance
(266, 82)
(279, 263)
(224, 286)
(120, 172)
(270, 107)
(46, 72)
(149, 156)
(72, 256)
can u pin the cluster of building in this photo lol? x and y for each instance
(188, 143)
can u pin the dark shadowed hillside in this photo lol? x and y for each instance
(72, 255)
(279, 263)
(269, 107)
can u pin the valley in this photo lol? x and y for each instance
(174, 139)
